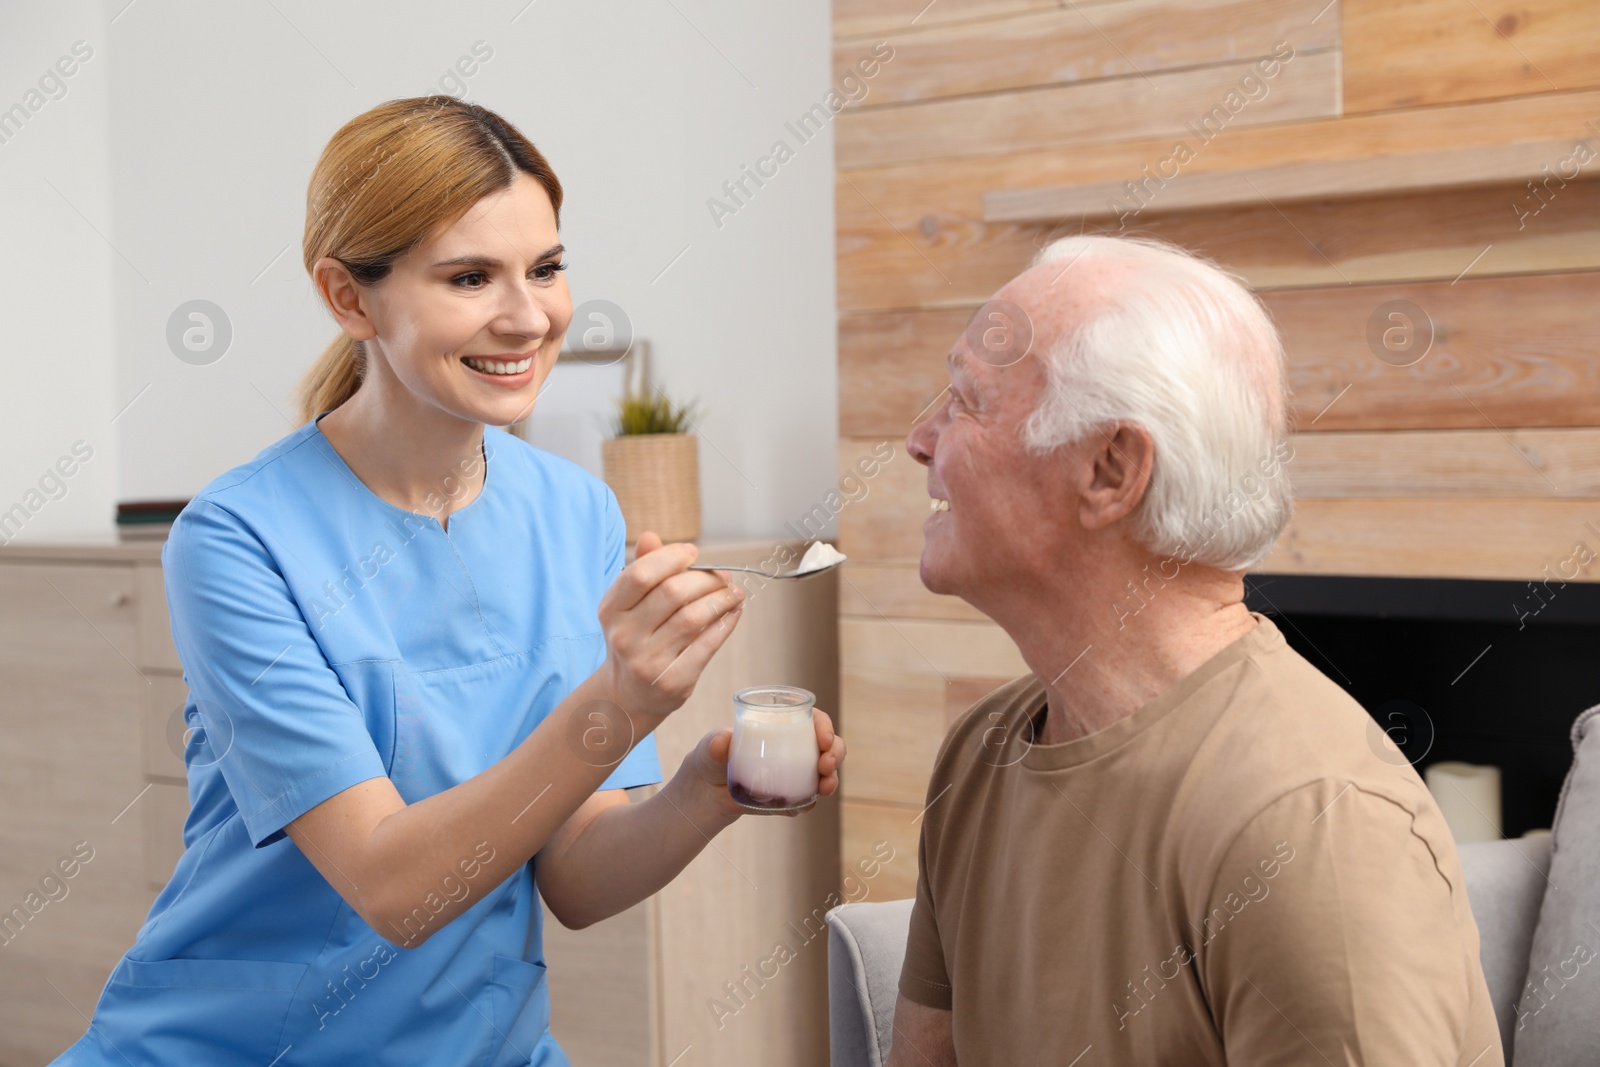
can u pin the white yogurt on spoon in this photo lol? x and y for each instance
(818, 556)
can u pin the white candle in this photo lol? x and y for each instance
(1469, 797)
(774, 759)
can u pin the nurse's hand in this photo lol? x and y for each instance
(708, 763)
(663, 623)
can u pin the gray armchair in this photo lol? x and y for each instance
(1536, 902)
(866, 946)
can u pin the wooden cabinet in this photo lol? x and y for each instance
(92, 761)
(93, 816)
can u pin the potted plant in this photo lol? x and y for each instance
(652, 463)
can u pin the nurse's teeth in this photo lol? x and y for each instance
(489, 366)
(938, 505)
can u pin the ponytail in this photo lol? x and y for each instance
(333, 379)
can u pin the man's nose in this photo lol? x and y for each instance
(920, 441)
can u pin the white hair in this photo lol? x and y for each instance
(1185, 351)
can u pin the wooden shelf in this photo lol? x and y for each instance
(1298, 180)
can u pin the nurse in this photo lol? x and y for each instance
(420, 675)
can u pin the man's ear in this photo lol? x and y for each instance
(344, 298)
(1117, 461)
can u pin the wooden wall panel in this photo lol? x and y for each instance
(1434, 538)
(1507, 352)
(942, 649)
(1411, 53)
(887, 525)
(1487, 124)
(868, 816)
(1067, 45)
(1448, 464)
(906, 714)
(1141, 106)
(896, 733)
(912, 236)
(874, 18)
(1555, 161)
(1421, 237)
(863, 823)
(941, 258)
(896, 591)
(892, 368)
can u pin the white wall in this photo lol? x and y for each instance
(57, 272)
(217, 114)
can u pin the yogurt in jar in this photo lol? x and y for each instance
(773, 765)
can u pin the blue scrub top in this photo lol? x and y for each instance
(328, 637)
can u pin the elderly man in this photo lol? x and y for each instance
(1174, 841)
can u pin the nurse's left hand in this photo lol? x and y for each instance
(709, 763)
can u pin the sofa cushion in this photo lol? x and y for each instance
(1505, 883)
(1560, 1001)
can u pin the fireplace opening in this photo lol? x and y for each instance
(1484, 672)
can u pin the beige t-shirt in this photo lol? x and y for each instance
(1240, 872)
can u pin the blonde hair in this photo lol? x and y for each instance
(385, 183)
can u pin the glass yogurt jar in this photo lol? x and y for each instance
(773, 764)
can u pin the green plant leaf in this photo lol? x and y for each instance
(654, 412)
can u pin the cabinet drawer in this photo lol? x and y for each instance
(166, 807)
(163, 726)
(156, 650)
(66, 609)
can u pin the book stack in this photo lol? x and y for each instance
(146, 520)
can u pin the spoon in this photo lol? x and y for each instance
(764, 574)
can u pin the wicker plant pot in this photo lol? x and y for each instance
(656, 477)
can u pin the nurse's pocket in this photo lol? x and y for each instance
(521, 1010)
(195, 1011)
